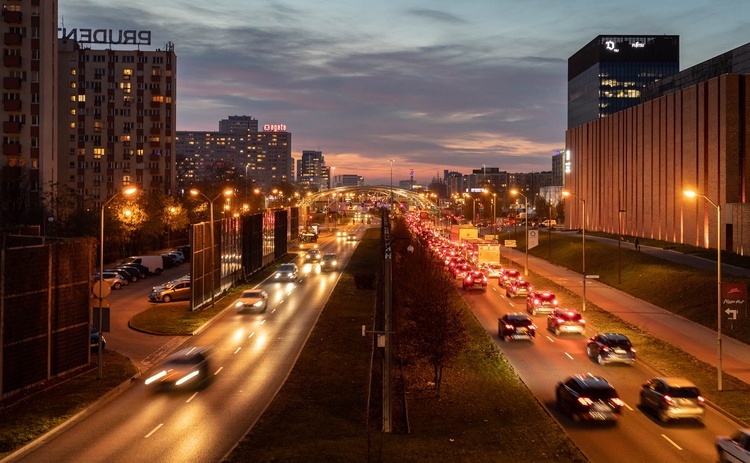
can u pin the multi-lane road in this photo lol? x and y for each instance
(253, 355)
(636, 436)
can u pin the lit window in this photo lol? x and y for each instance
(98, 153)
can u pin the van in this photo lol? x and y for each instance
(154, 264)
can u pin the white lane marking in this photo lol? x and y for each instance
(154, 430)
(550, 339)
(671, 442)
(251, 335)
(262, 322)
(493, 288)
(238, 349)
(569, 356)
(630, 408)
(274, 310)
(217, 371)
(191, 398)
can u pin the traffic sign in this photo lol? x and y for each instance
(592, 277)
(510, 243)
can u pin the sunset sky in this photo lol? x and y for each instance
(432, 85)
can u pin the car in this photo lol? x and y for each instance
(312, 255)
(329, 261)
(460, 270)
(185, 368)
(734, 448)
(608, 348)
(341, 234)
(540, 302)
(114, 280)
(492, 269)
(517, 288)
(286, 272)
(185, 250)
(566, 321)
(177, 259)
(174, 290)
(475, 278)
(509, 274)
(141, 269)
(672, 398)
(588, 397)
(94, 340)
(351, 237)
(252, 300)
(125, 273)
(516, 325)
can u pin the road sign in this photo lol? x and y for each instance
(732, 313)
(510, 243)
(734, 299)
(592, 277)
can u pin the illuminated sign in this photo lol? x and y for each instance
(274, 128)
(610, 45)
(107, 36)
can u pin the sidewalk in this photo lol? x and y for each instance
(695, 339)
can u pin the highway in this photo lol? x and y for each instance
(253, 355)
(636, 436)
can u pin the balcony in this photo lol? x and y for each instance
(155, 131)
(12, 149)
(13, 17)
(12, 61)
(10, 38)
(11, 127)
(11, 83)
(12, 105)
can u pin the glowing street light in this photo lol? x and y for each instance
(693, 194)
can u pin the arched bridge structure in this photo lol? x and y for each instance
(366, 193)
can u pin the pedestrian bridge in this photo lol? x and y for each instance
(367, 193)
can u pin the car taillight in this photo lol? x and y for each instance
(532, 327)
(605, 349)
(468, 279)
(536, 301)
(585, 401)
(582, 321)
(509, 327)
(701, 400)
(554, 302)
(484, 279)
(667, 399)
(617, 402)
(559, 321)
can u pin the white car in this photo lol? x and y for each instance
(252, 300)
(735, 449)
(114, 280)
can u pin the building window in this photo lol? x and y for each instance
(34, 120)
(127, 74)
(98, 153)
(72, 125)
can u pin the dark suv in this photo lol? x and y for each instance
(610, 348)
(516, 326)
(588, 397)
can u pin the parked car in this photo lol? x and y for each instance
(94, 340)
(541, 302)
(474, 279)
(566, 321)
(588, 397)
(186, 253)
(185, 368)
(734, 448)
(673, 398)
(329, 261)
(286, 272)
(125, 273)
(516, 326)
(114, 280)
(255, 300)
(610, 348)
(141, 269)
(177, 259)
(174, 290)
(154, 264)
(517, 288)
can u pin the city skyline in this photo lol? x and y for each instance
(432, 85)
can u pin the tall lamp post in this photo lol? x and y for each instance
(583, 244)
(128, 192)
(226, 192)
(693, 194)
(494, 214)
(526, 208)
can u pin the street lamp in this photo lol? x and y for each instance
(583, 244)
(226, 192)
(100, 348)
(526, 208)
(693, 194)
(494, 214)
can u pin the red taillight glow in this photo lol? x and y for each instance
(560, 321)
(701, 400)
(667, 399)
(554, 302)
(468, 279)
(585, 401)
(509, 327)
(618, 402)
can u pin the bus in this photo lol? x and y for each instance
(308, 238)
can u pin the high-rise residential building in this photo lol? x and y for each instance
(117, 119)
(610, 72)
(29, 76)
(349, 180)
(311, 170)
(262, 158)
(558, 168)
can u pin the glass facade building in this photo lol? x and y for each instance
(610, 72)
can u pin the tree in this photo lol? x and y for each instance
(429, 316)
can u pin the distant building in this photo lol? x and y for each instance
(558, 168)
(117, 120)
(609, 73)
(311, 171)
(349, 180)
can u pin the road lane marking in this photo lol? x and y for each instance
(154, 430)
(262, 322)
(629, 408)
(191, 398)
(274, 310)
(671, 442)
(217, 371)
(550, 339)
(251, 335)
(238, 349)
(569, 356)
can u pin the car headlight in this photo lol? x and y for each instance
(239, 304)
(186, 378)
(258, 304)
(157, 377)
